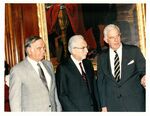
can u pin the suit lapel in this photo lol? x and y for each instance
(77, 72)
(124, 66)
(87, 68)
(108, 71)
(107, 67)
(125, 54)
(31, 71)
(49, 70)
(73, 67)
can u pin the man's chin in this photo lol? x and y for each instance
(43, 58)
(84, 57)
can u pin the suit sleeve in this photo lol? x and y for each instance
(58, 105)
(15, 91)
(140, 62)
(62, 89)
(101, 84)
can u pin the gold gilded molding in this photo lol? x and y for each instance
(141, 19)
(43, 26)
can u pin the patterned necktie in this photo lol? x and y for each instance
(116, 67)
(83, 73)
(42, 76)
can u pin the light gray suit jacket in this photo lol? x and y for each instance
(28, 93)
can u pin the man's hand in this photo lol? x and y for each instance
(143, 81)
(104, 109)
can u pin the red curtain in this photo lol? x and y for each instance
(75, 16)
(51, 16)
(90, 39)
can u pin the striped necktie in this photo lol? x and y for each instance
(116, 67)
(42, 76)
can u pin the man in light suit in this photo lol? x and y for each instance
(75, 85)
(27, 90)
(126, 92)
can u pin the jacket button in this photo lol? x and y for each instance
(119, 96)
(49, 105)
(119, 86)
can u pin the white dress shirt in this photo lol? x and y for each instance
(47, 76)
(112, 56)
(77, 64)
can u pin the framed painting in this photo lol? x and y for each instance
(90, 20)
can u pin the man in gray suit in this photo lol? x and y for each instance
(121, 74)
(28, 91)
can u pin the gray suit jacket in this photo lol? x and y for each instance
(28, 93)
(128, 94)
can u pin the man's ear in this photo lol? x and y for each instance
(73, 51)
(105, 39)
(29, 50)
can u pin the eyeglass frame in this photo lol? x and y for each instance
(112, 38)
(82, 48)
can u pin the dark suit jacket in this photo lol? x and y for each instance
(73, 93)
(7, 106)
(128, 94)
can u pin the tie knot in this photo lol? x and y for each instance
(80, 63)
(115, 51)
(38, 64)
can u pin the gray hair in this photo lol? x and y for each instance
(109, 28)
(73, 40)
(29, 41)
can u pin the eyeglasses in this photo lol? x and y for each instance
(81, 48)
(114, 37)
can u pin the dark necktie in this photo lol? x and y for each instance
(83, 73)
(116, 67)
(42, 76)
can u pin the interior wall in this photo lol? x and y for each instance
(21, 21)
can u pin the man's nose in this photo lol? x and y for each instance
(86, 49)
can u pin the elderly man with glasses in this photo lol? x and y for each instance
(75, 78)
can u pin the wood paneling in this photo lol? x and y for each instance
(21, 21)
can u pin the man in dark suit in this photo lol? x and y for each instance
(121, 74)
(75, 84)
(32, 81)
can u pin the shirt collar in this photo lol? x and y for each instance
(33, 62)
(118, 50)
(74, 60)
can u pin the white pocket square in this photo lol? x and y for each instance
(131, 62)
